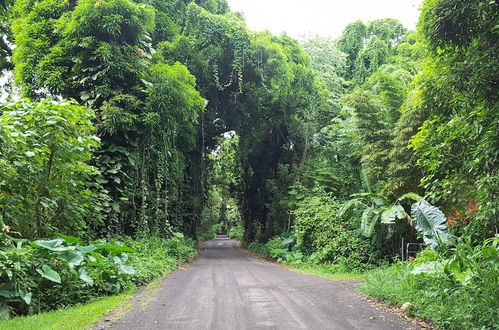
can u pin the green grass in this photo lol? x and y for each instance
(324, 272)
(444, 301)
(77, 317)
(328, 271)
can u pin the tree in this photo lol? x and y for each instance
(45, 180)
(457, 145)
(373, 133)
(100, 54)
(351, 42)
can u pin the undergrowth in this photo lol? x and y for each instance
(457, 292)
(44, 275)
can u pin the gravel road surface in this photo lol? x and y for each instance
(227, 289)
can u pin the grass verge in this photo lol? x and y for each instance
(329, 272)
(72, 318)
(437, 297)
(324, 272)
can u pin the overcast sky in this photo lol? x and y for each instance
(323, 17)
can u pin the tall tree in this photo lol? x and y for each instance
(458, 145)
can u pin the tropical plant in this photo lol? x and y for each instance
(431, 223)
(45, 183)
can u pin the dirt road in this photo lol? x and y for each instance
(227, 289)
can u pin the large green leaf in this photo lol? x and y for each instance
(412, 196)
(431, 267)
(85, 276)
(356, 202)
(26, 297)
(368, 221)
(4, 313)
(73, 258)
(49, 274)
(114, 249)
(430, 222)
(123, 269)
(86, 249)
(392, 213)
(288, 241)
(70, 239)
(52, 245)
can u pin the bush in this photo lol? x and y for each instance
(259, 248)
(44, 150)
(43, 275)
(237, 233)
(211, 233)
(315, 222)
(325, 238)
(48, 274)
(156, 256)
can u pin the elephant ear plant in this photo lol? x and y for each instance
(43, 275)
(431, 223)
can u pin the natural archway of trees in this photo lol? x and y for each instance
(148, 119)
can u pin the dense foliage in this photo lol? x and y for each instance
(45, 178)
(454, 292)
(43, 275)
(183, 120)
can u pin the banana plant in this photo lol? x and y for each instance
(427, 219)
(376, 209)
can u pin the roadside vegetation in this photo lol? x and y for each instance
(132, 131)
(44, 275)
(69, 318)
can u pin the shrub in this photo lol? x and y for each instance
(259, 248)
(155, 256)
(325, 238)
(315, 221)
(48, 274)
(211, 233)
(44, 150)
(237, 233)
(44, 275)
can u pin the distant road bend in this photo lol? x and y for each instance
(227, 289)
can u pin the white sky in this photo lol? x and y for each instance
(323, 17)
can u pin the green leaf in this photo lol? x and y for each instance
(85, 276)
(350, 204)
(123, 269)
(4, 313)
(287, 241)
(392, 213)
(430, 222)
(52, 245)
(116, 207)
(412, 196)
(49, 274)
(86, 249)
(70, 239)
(73, 258)
(26, 297)
(431, 267)
(368, 221)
